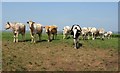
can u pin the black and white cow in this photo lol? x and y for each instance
(76, 31)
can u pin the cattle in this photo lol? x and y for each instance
(85, 33)
(92, 31)
(76, 32)
(35, 28)
(66, 31)
(51, 30)
(101, 32)
(108, 34)
(17, 28)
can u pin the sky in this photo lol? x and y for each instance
(86, 14)
(0, 15)
(60, 0)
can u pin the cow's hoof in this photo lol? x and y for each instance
(34, 41)
(48, 40)
(75, 47)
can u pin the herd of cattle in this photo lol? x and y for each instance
(76, 31)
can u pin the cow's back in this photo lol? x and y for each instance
(19, 27)
(53, 29)
(38, 28)
(93, 30)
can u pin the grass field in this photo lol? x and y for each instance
(59, 55)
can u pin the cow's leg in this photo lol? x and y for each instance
(49, 37)
(102, 35)
(39, 36)
(93, 36)
(83, 36)
(35, 38)
(14, 40)
(53, 36)
(16, 37)
(32, 38)
(23, 37)
(88, 36)
(110, 36)
(66, 36)
(63, 36)
(75, 42)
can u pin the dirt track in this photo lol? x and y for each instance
(46, 56)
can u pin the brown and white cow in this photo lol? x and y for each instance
(51, 30)
(17, 28)
(34, 30)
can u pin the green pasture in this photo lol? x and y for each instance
(97, 43)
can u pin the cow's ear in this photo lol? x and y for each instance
(33, 22)
(80, 29)
(72, 33)
(8, 23)
(72, 27)
(28, 22)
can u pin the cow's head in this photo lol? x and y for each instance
(76, 31)
(89, 29)
(66, 29)
(30, 24)
(46, 29)
(7, 26)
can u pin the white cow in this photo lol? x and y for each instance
(34, 30)
(101, 32)
(93, 31)
(108, 34)
(17, 28)
(85, 33)
(66, 31)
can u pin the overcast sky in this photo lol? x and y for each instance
(86, 14)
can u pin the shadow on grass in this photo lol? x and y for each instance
(41, 41)
(79, 45)
(27, 40)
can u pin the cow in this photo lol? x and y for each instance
(51, 30)
(101, 32)
(35, 28)
(66, 31)
(85, 33)
(92, 31)
(108, 34)
(76, 32)
(17, 28)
